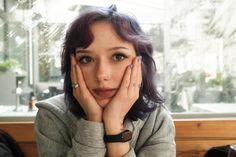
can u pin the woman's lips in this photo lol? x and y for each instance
(104, 92)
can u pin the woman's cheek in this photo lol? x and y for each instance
(120, 71)
(87, 76)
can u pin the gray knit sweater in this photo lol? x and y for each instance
(61, 134)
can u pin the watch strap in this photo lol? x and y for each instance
(124, 136)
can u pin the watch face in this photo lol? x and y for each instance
(126, 135)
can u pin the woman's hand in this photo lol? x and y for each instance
(92, 110)
(128, 93)
(114, 113)
(119, 106)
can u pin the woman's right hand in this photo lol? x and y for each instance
(92, 110)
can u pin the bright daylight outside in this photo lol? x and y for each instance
(194, 50)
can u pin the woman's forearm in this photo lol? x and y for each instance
(115, 149)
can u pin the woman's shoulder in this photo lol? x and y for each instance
(55, 108)
(54, 103)
(157, 126)
(162, 112)
(160, 116)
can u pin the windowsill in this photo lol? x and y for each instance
(9, 114)
(203, 115)
(208, 111)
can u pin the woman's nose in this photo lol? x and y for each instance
(103, 72)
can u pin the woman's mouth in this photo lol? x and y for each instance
(104, 92)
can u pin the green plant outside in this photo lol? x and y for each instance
(8, 64)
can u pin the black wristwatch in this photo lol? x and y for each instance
(124, 136)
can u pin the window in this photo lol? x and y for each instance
(194, 43)
(199, 64)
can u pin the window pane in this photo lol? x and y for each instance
(201, 57)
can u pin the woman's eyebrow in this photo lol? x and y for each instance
(109, 49)
(118, 47)
(82, 51)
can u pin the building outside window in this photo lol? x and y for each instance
(194, 44)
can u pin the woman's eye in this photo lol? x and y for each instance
(119, 57)
(85, 59)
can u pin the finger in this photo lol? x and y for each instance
(73, 70)
(138, 76)
(134, 80)
(78, 74)
(140, 72)
(126, 78)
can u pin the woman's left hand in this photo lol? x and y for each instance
(126, 96)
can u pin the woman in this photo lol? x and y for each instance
(110, 106)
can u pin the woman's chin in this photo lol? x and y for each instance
(103, 102)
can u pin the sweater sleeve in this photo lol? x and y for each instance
(157, 136)
(55, 140)
(162, 140)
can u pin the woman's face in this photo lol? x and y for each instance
(104, 62)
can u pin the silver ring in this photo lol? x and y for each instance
(75, 85)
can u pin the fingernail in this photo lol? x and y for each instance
(139, 59)
(131, 66)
